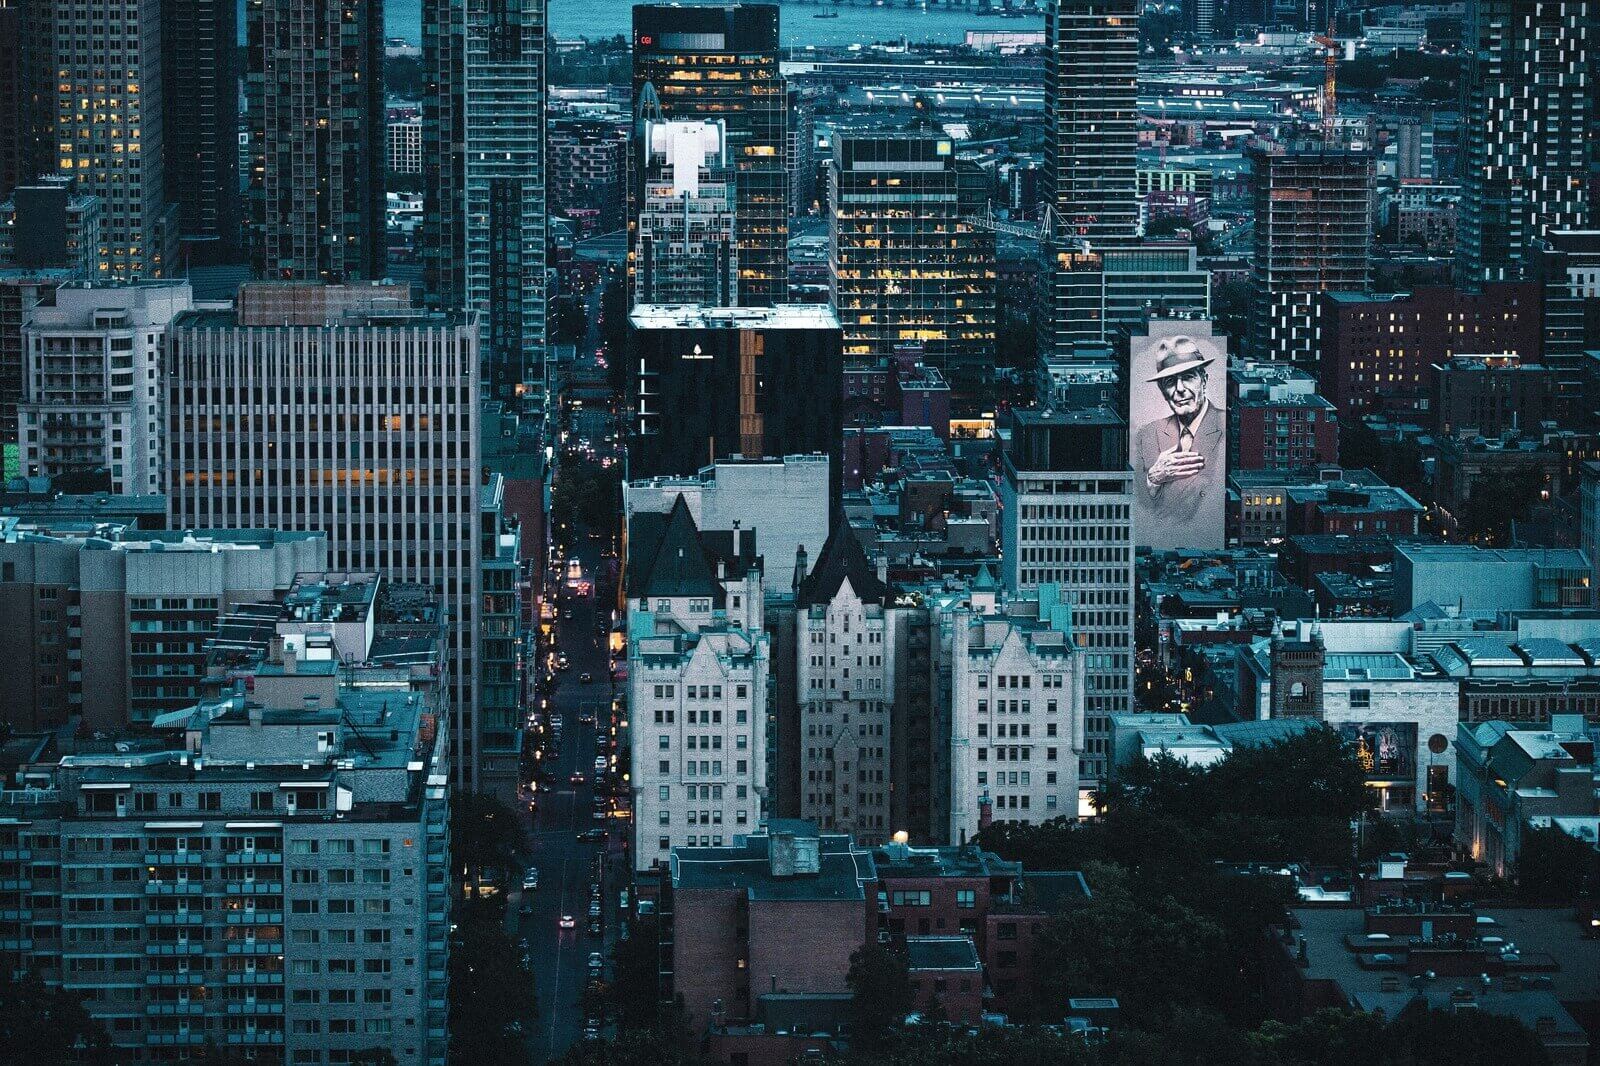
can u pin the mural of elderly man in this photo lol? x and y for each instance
(1180, 449)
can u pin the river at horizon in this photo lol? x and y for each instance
(856, 24)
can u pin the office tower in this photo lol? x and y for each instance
(50, 225)
(1527, 104)
(1566, 265)
(340, 409)
(1091, 64)
(501, 699)
(91, 410)
(589, 171)
(200, 65)
(314, 101)
(118, 619)
(116, 149)
(484, 143)
(27, 95)
(265, 873)
(905, 265)
(1016, 712)
(1101, 293)
(722, 63)
(716, 381)
(1066, 493)
(698, 663)
(684, 245)
(1313, 234)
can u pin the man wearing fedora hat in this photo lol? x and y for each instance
(1179, 458)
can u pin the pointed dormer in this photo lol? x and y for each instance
(842, 559)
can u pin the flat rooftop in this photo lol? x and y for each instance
(699, 316)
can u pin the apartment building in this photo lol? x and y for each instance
(698, 667)
(118, 617)
(685, 248)
(92, 394)
(265, 873)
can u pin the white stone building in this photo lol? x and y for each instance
(698, 663)
(845, 687)
(1016, 712)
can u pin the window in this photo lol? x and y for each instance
(1360, 698)
(966, 898)
(912, 899)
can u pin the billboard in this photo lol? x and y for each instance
(1387, 750)
(1177, 399)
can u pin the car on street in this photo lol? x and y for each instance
(530, 879)
(576, 778)
(593, 835)
(567, 921)
(594, 927)
(594, 909)
(591, 1030)
(567, 614)
(596, 961)
(586, 678)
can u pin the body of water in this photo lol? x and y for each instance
(856, 23)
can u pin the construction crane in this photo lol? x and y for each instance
(1329, 105)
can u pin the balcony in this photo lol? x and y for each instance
(273, 978)
(174, 918)
(171, 1009)
(191, 1039)
(257, 888)
(174, 888)
(179, 979)
(174, 949)
(256, 1039)
(254, 1007)
(261, 947)
(173, 858)
(255, 858)
(255, 918)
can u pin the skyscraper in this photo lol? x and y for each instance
(485, 171)
(314, 99)
(1066, 493)
(1527, 104)
(722, 63)
(27, 99)
(684, 247)
(340, 409)
(906, 267)
(1313, 234)
(114, 149)
(200, 66)
(1091, 65)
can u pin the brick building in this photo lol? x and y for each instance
(1277, 420)
(1490, 394)
(1379, 350)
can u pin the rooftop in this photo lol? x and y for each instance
(698, 316)
(840, 871)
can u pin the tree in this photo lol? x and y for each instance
(634, 995)
(39, 1024)
(1554, 867)
(630, 1048)
(492, 1007)
(880, 984)
(485, 835)
(942, 1045)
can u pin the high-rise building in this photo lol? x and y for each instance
(405, 144)
(1066, 493)
(314, 101)
(1313, 234)
(92, 406)
(1091, 105)
(484, 168)
(21, 292)
(50, 225)
(1566, 265)
(27, 95)
(115, 150)
(1100, 293)
(200, 65)
(906, 265)
(698, 664)
(257, 852)
(718, 381)
(589, 169)
(685, 249)
(340, 409)
(119, 618)
(722, 63)
(1527, 105)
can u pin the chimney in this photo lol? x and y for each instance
(737, 539)
(985, 812)
(255, 715)
(289, 659)
(799, 567)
